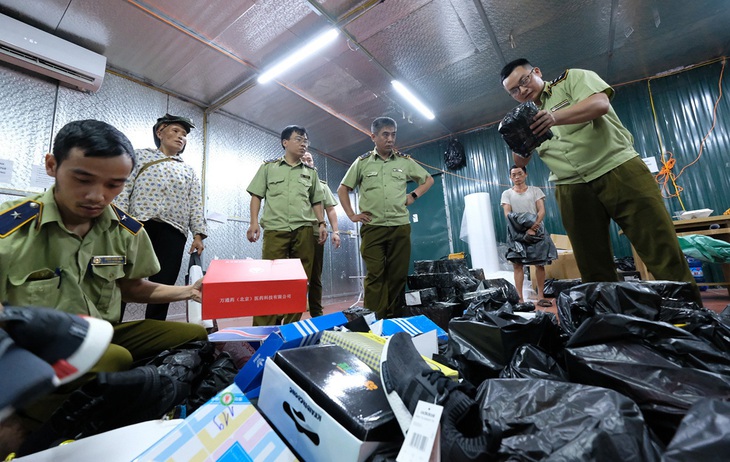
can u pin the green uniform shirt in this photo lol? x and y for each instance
(382, 185)
(328, 201)
(44, 264)
(288, 192)
(579, 153)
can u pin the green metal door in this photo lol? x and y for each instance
(429, 224)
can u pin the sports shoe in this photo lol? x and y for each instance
(408, 379)
(463, 436)
(70, 344)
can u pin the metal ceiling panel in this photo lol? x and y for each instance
(45, 15)
(383, 16)
(209, 21)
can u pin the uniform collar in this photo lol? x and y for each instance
(375, 153)
(51, 214)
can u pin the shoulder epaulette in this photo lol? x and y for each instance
(366, 155)
(271, 161)
(16, 217)
(400, 154)
(126, 221)
(324, 182)
(560, 78)
(307, 166)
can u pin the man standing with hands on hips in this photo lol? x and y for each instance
(381, 176)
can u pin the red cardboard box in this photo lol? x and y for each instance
(235, 288)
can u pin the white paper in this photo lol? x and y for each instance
(651, 163)
(39, 178)
(419, 443)
(6, 171)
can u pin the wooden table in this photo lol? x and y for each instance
(696, 226)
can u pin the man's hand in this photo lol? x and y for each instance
(196, 291)
(409, 200)
(322, 235)
(530, 232)
(543, 120)
(363, 218)
(253, 233)
(197, 245)
(336, 239)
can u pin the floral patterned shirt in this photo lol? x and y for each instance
(167, 191)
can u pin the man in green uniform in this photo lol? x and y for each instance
(70, 249)
(293, 204)
(381, 175)
(315, 282)
(598, 174)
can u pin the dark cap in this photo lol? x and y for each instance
(168, 119)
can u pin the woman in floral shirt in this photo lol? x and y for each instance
(165, 194)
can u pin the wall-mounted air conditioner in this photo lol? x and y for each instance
(31, 48)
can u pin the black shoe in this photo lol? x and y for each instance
(408, 379)
(463, 437)
(71, 344)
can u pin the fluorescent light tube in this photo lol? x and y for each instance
(411, 98)
(299, 55)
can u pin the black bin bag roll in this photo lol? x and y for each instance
(516, 132)
(560, 421)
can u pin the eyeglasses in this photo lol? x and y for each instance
(300, 140)
(524, 81)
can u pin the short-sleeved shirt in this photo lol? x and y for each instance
(328, 201)
(579, 153)
(44, 264)
(523, 202)
(167, 191)
(382, 185)
(289, 192)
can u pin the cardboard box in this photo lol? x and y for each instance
(304, 332)
(241, 342)
(564, 267)
(235, 288)
(307, 427)
(225, 428)
(414, 325)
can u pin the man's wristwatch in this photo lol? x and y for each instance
(414, 195)
(322, 223)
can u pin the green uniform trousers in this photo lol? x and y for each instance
(629, 195)
(315, 281)
(133, 343)
(386, 251)
(287, 244)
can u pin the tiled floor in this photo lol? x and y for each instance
(714, 299)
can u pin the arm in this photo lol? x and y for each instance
(420, 190)
(589, 109)
(343, 193)
(507, 208)
(197, 220)
(332, 217)
(319, 213)
(144, 291)
(540, 204)
(254, 231)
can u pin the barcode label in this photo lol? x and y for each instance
(419, 441)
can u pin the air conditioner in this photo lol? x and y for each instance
(31, 48)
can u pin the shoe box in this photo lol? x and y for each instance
(414, 325)
(369, 347)
(327, 404)
(226, 428)
(296, 334)
(241, 342)
(235, 288)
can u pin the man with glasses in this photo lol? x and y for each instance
(598, 174)
(293, 204)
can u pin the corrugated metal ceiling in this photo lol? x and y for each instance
(448, 51)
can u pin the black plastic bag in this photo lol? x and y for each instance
(483, 348)
(438, 312)
(586, 300)
(454, 157)
(553, 287)
(560, 421)
(663, 368)
(516, 132)
(218, 376)
(703, 435)
(532, 362)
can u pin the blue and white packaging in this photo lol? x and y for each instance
(415, 325)
(296, 334)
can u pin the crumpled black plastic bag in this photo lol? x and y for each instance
(553, 287)
(663, 368)
(219, 375)
(515, 129)
(586, 300)
(560, 421)
(532, 362)
(483, 348)
(454, 157)
(703, 435)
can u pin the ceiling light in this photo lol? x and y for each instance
(411, 98)
(299, 55)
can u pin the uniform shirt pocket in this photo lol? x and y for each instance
(105, 280)
(276, 186)
(38, 288)
(371, 180)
